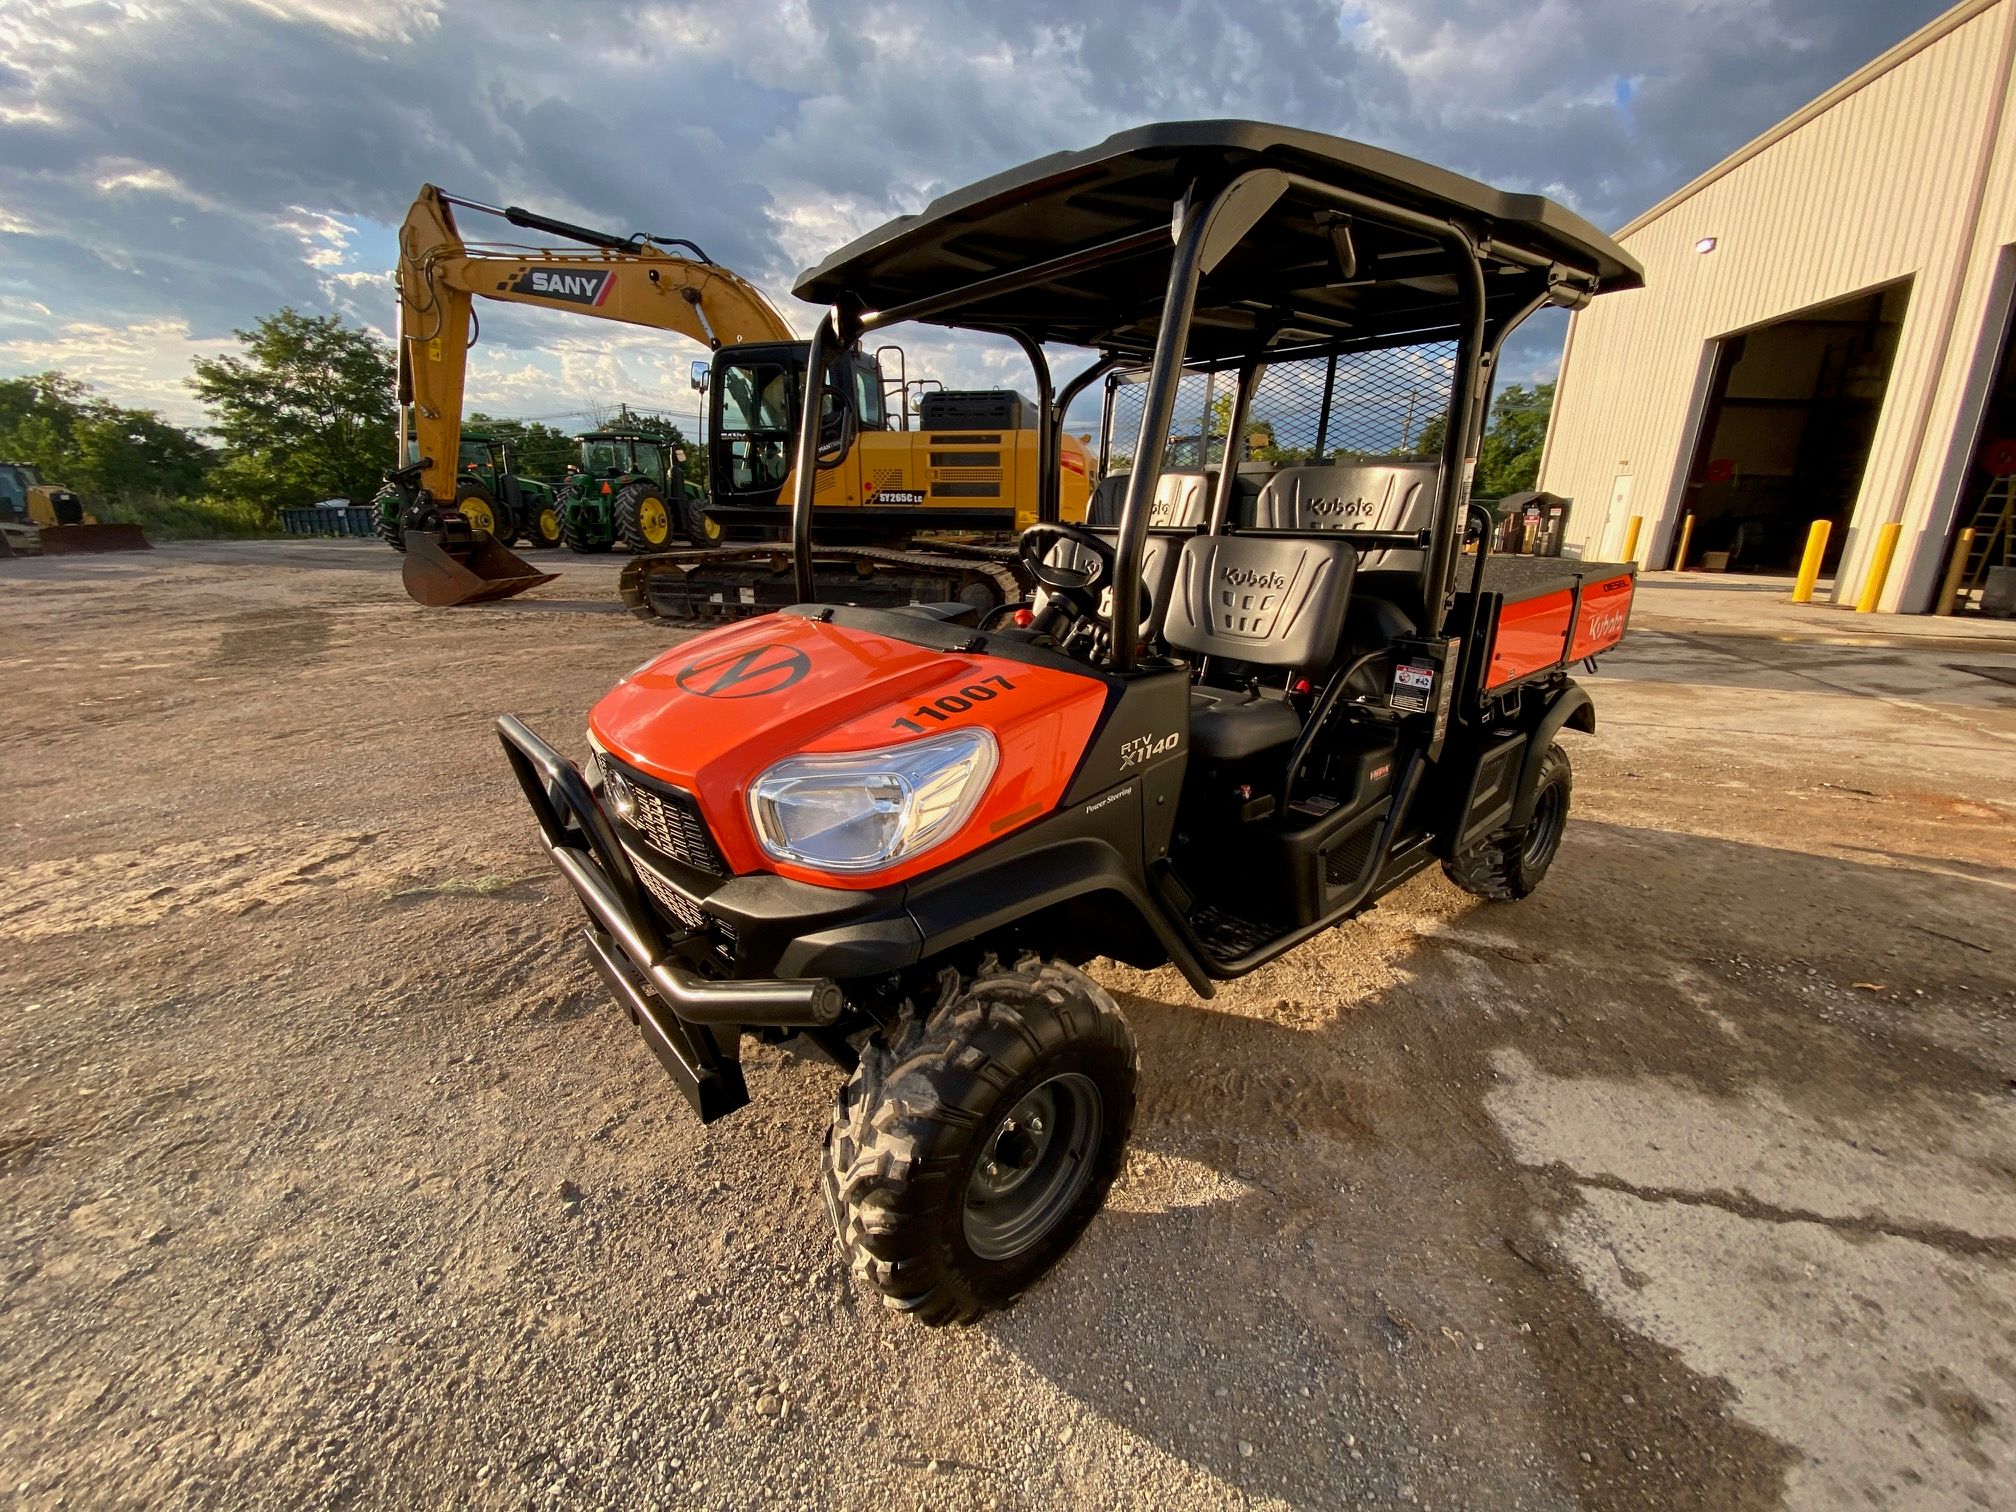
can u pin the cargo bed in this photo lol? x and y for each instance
(1546, 613)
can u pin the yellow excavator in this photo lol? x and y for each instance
(967, 472)
(38, 518)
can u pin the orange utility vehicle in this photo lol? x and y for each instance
(903, 832)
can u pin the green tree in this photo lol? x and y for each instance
(101, 450)
(538, 450)
(305, 413)
(1509, 460)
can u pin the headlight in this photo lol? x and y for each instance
(866, 809)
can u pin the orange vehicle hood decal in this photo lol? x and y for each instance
(712, 714)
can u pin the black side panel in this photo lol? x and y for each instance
(1147, 725)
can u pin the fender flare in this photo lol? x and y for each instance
(1573, 709)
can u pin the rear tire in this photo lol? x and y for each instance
(474, 503)
(968, 1156)
(643, 518)
(389, 529)
(1508, 865)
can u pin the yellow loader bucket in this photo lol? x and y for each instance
(444, 568)
(67, 540)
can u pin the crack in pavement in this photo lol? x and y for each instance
(1938, 1236)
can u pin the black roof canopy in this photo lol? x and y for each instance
(1307, 275)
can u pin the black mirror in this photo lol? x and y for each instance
(836, 424)
(700, 372)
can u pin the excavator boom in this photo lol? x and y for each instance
(633, 279)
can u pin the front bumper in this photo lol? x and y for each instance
(690, 1021)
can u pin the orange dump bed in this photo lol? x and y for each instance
(1553, 611)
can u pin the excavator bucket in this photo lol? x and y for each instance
(448, 567)
(69, 540)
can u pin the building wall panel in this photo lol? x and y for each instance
(1879, 184)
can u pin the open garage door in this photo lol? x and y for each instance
(1785, 437)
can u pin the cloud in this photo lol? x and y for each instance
(180, 169)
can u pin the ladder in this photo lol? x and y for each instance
(1994, 526)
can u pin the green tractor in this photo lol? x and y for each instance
(630, 488)
(489, 495)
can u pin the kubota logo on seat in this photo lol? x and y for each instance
(1254, 577)
(744, 674)
(1341, 508)
(576, 286)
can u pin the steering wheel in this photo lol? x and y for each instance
(1081, 579)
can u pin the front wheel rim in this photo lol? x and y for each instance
(1032, 1167)
(549, 525)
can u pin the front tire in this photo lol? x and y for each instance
(542, 524)
(1508, 865)
(969, 1155)
(702, 529)
(643, 518)
(391, 506)
(574, 533)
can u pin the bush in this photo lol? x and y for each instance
(167, 518)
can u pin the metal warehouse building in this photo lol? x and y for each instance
(1824, 334)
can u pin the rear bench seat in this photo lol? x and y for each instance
(1396, 494)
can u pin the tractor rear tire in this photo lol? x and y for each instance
(389, 528)
(1508, 865)
(474, 503)
(643, 518)
(968, 1153)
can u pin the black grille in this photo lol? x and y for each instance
(667, 820)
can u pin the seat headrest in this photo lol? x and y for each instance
(1182, 498)
(1273, 602)
(1349, 496)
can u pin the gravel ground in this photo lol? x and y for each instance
(330, 1178)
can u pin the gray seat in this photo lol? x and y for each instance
(1267, 602)
(1375, 495)
(1182, 498)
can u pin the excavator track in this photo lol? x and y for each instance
(707, 585)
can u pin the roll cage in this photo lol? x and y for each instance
(1266, 244)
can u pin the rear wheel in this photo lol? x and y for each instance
(390, 504)
(483, 512)
(1508, 865)
(968, 1156)
(643, 518)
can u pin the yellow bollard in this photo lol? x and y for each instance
(1949, 591)
(1686, 540)
(1809, 564)
(1879, 569)
(1631, 538)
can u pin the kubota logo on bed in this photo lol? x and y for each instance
(1607, 623)
(575, 286)
(1254, 577)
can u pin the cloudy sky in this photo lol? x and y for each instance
(172, 169)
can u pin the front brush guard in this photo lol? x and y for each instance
(676, 1010)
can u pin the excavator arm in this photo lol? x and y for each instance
(632, 279)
